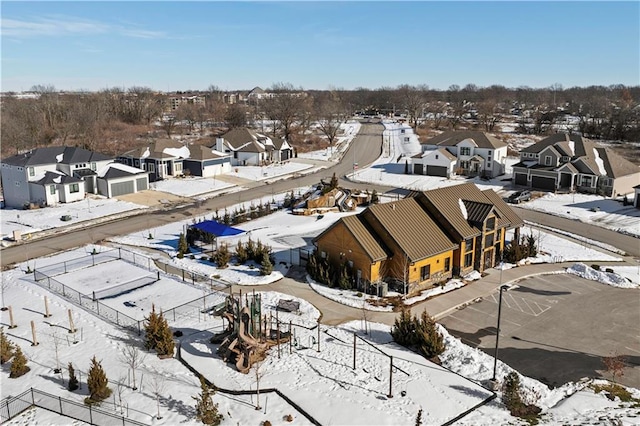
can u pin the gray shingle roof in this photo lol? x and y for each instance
(52, 178)
(50, 155)
(452, 138)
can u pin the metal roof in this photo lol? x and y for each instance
(410, 227)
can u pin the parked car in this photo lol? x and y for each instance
(519, 196)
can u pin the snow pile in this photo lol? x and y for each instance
(472, 276)
(463, 209)
(610, 278)
(351, 298)
(599, 162)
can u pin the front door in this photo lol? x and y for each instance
(488, 259)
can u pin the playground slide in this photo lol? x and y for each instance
(242, 365)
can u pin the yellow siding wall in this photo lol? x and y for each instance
(340, 240)
(437, 272)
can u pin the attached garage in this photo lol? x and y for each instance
(122, 188)
(417, 169)
(437, 171)
(521, 179)
(543, 183)
(142, 184)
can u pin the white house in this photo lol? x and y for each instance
(249, 148)
(436, 162)
(477, 153)
(47, 176)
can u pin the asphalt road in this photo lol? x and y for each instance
(365, 149)
(556, 330)
(629, 244)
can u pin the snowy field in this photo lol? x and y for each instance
(348, 131)
(324, 383)
(190, 186)
(260, 173)
(608, 213)
(28, 221)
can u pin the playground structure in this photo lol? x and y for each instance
(245, 339)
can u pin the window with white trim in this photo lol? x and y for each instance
(73, 188)
(32, 171)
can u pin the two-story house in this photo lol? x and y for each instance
(249, 148)
(564, 162)
(52, 175)
(475, 220)
(474, 154)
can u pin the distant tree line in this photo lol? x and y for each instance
(111, 119)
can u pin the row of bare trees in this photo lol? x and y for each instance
(98, 120)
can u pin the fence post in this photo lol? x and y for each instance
(139, 330)
(93, 259)
(49, 282)
(9, 412)
(182, 275)
(354, 350)
(65, 266)
(390, 377)
(119, 253)
(90, 415)
(60, 401)
(149, 263)
(318, 335)
(98, 308)
(33, 399)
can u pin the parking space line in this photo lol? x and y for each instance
(529, 306)
(516, 302)
(546, 308)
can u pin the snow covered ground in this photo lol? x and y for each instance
(190, 186)
(323, 383)
(29, 221)
(592, 209)
(257, 173)
(348, 130)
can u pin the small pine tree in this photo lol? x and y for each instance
(266, 267)
(403, 331)
(183, 247)
(430, 341)
(374, 197)
(206, 410)
(511, 391)
(241, 253)
(151, 329)
(19, 365)
(6, 347)
(222, 256)
(251, 249)
(97, 383)
(333, 184)
(73, 380)
(165, 344)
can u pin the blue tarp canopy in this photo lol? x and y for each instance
(216, 228)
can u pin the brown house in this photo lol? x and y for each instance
(476, 220)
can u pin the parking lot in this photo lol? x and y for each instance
(556, 328)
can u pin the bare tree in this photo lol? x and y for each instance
(615, 365)
(236, 116)
(56, 346)
(120, 392)
(169, 122)
(285, 106)
(158, 386)
(133, 358)
(258, 375)
(330, 114)
(413, 101)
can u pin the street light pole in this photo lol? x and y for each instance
(495, 355)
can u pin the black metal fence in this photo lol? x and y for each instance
(13, 406)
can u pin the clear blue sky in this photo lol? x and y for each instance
(318, 45)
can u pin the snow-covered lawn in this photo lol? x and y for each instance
(29, 221)
(190, 186)
(257, 173)
(348, 131)
(323, 383)
(608, 213)
(554, 249)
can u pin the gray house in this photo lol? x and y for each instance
(564, 162)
